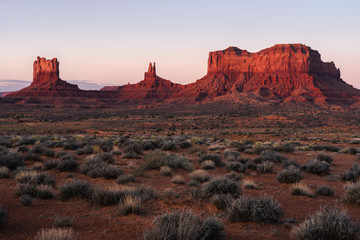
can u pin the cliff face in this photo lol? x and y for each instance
(45, 70)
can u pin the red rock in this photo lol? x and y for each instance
(45, 70)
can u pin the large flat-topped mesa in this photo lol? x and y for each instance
(281, 58)
(45, 70)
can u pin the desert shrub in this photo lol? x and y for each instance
(299, 189)
(34, 177)
(185, 144)
(38, 149)
(165, 171)
(222, 201)
(213, 157)
(3, 216)
(207, 165)
(71, 144)
(352, 194)
(178, 179)
(63, 222)
(236, 167)
(285, 147)
(221, 186)
(125, 179)
(44, 191)
(289, 175)
(105, 157)
(27, 141)
(349, 175)
(329, 223)
(26, 200)
(105, 196)
(231, 155)
(269, 155)
(56, 234)
(132, 155)
(233, 176)
(350, 150)
(67, 163)
(156, 159)
(50, 164)
(168, 145)
(199, 150)
(26, 189)
(250, 184)
(94, 167)
(116, 153)
(150, 145)
(11, 160)
(317, 167)
(325, 191)
(355, 168)
(264, 209)
(265, 167)
(331, 148)
(23, 149)
(77, 188)
(131, 204)
(4, 172)
(287, 163)
(32, 157)
(251, 165)
(134, 147)
(185, 226)
(200, 175)
(85, 150)
(324, 157)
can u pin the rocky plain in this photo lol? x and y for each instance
(265, 146)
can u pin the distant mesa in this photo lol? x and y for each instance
(284, 72)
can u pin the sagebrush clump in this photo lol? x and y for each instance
(329, 223)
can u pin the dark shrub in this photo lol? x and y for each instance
(156, 159)
(77, 188)
(63, 222)
(67, 163)
(265, 167)
(221, 186)
(134, 147)
(32, 157)
(185, 226)
(287, 163)
(352, 194)
(26, 200)
(36, 178)
(130, 204)
(231, 155)
(329, 223)
(50, 164)
(23, 149)
(44, 191)
(349, 175)
(269, 155)
(289, 175)
(149, 145)
(213, 157)
(168, 145)
(11, 160)
(95, 167)
(300, 189)
(234, 176)
(26, 189)
(3, 216)
(105, 157)
(85, 150)
(317, 167)
(222, 201)
(324, 157)
(124, 179)
(185, 144)
(236, 167)
(325, 191)
(248, 209)
(286, 147)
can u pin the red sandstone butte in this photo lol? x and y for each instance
(284, 71)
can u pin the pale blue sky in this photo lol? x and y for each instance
(112, 42)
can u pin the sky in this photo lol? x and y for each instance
(108, 42)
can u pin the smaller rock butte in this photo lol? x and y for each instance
(45, 70)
